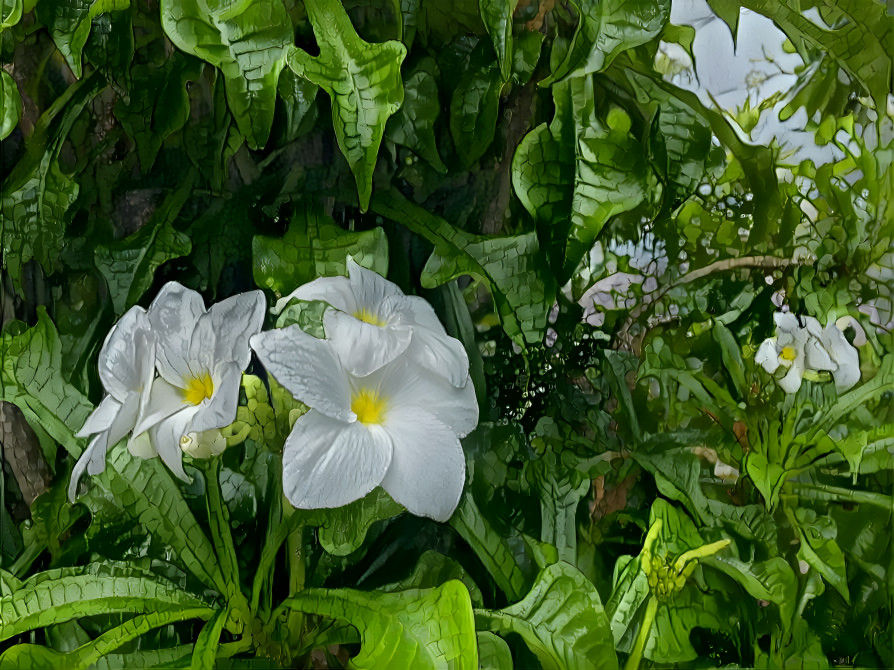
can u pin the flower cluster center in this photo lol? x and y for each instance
(369, 406)
(368, 316)
(198, 388)
(788, 354)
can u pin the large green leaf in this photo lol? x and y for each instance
(363, 81)
(561, 620)
(313, 246)
(433, 569)
(493, 652)
(819, 548)
(248, 41)
(474, 108)
(100, 588)
(343, 529)
(418, 628)
(772, 580)
(512, 266)
(413, 125)
(158, 104)
(10, 105)
(497, 17)
(69, 23)
(605, 29)
(669, 638)
(129, 265)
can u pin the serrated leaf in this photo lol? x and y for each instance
(158, 104)
(248, 41)
(419, 628)
(363, 81)
(69, 23)
(129, 265)
(561, 620)
(413, 125)
(313, 246)
(605, 29)
(343, 529)
(474, 108)
(61, 595)
(497, 18)
(10, 105)
(211, 141)
(512, 267)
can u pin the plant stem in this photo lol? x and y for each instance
(636, 655)
(297, 568)
(218, 518)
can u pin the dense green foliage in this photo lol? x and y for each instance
(609, 249)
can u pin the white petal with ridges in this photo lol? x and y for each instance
(166, 435)
(101, 418)
(363, 347)
(370, 288)
(235, 320)
(165, 399)
(335, 291)
(845, 355)
(125, 353)
(220, 409)
(173, 315)
(441, 354)
(428, 468)
(791, 382)
(329, 463)
(766, 355)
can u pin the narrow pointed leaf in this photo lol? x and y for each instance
(10, 105)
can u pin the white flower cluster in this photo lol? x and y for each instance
(389, 391)
(199, 355)
(802, 344)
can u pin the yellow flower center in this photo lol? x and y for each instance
(368, 317)
(198, 389)
(369, 406)
(788, 354)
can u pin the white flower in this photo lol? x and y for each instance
(126, 369)
(373, 322)
(795, 347)
(398, 427)
(843, 354)
(200, 358)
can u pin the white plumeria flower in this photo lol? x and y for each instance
(397, 428)
(373, 322)
(126, 369)
(200, 358)
(795, 347)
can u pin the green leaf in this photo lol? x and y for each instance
(212, 140)
(207, 644)
(772, 580)
(606, 28)
(60, 595)
(474, 108)
(512, 266)
(10, 14)
(248, 41)
(728, 11)
(413, 125)
(493, 652)
(129, 265)
(419, 628)
(497, 17)
(313, 246)
(69, 23)
(343, 529)
(669, 639)
(299, 97)
(526, 55)
(110, 47)
(629, 591)
(732, 357)
(433, 569)
(158, 104)
(10, 105)
(819, 548)
(363, 81)
(561, 620)
(768, 477)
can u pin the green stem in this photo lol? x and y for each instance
(218, 518)
(297, 570)
(637, 654)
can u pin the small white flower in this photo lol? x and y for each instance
(398, 427)
(843, 354)
(200, 358)
(373, 322)
(126, 369)
(795, 347)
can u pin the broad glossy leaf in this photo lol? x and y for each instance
(526, 55)
(474, 108)
(605, 29)
(772, 580)
(68, 593)
(313, 246)
(299, 97)
(413, 125)
(728, 11)
(343, 529)
(512, 266)
(819, 548)
(69, 23)
(497, 17)
(363, 81)
(669, 639)
(248, 41)
(158, 104)
(418, 628)
(10, 105)
(129, 265)
(433, 569)
(493, 652)
(561, 620)
(10, 13)
(767, 477)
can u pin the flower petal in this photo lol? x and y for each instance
(101, 418)
(166, 435)
(791, 382)
(786, 322)
(93, 460)
(164, 400)
(766, 355)
(329, 463)
(336, 291)
(363, 347)
(174, 314)
(220, 410)
(141, 446)
(308, 368)
(126, 352)
(370, 288)
(125, 419)
(441, 354)
(428, 469)
(845, 356)
(235, 320)
(816, 357)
